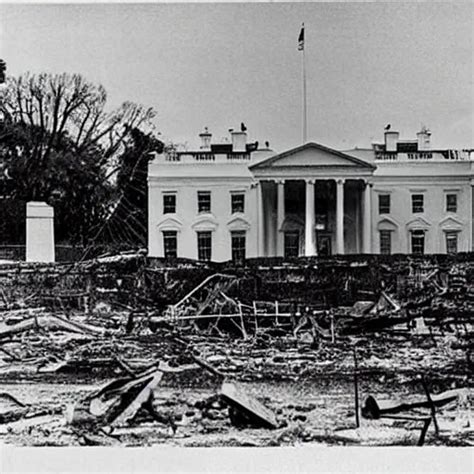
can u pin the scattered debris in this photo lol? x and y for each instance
(245, 410)
(113, 315)
(117, 402)
(374, 409)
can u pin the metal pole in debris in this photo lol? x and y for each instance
(255, 316)
(356, 387)
(432, 405)
(332, 327)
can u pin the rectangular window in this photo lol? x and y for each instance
(451, 242)
(170, 243)
(418, 242)
(384, 203)
(451, 203)
(204, 201)
(417, 203)
(238, 246)
(204, 240)
(169, 203)
(385, 242)
(237, 202)
(292, 247)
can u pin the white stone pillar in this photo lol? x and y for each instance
(470, 237)
(340, 216)
(270, 237)
(280, 217)
(39, 232)
(309, 247)
(367, 219)
(260, 220)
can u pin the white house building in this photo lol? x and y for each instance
(240, 200)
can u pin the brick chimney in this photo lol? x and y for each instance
(239, 140)
(205, 140)
(391, 140)
(424, 142)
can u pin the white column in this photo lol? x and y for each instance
(340, 216)
(260, 220)
(39, 232)
(270, 237)
(280, 217)
(309, 247)
(367, 219)
(470, 237)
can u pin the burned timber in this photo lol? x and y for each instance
(130, 350)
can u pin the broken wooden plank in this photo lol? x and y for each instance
(257, 413)
(376, 408)
(48, 321)
(117, 402)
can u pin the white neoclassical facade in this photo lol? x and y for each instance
(240, 200)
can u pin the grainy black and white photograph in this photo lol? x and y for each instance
(237, 225)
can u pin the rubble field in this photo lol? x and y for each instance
(121, 351)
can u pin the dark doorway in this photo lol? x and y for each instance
(292, 241)
(324, 245)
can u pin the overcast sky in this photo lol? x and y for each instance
(216, 65)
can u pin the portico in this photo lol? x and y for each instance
(313, 200)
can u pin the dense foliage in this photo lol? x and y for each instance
(58, 144)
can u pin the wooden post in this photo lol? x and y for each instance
(356, 387)
(426, 425)
(432, 405)
(332, 327)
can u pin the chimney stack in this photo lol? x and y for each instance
(205, 140)
(239, 141)
(391, 140)
(423, 137)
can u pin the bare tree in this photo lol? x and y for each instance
(68, 104)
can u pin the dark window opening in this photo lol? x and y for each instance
(204, 245)
(451, 242)
(169, 203)
(237, 203)
(170, 243)
(238, 246)
(385, 242)
(384, 203)
(418, 242)
(204, 201)
(451, 203)
(417, 203)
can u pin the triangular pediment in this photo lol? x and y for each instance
(418, 223)
(205, 222)
(451, 223)
(387, 224)
(169, 223)
(238, 223)
(313, 155)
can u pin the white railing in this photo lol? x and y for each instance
(437, 156)
(203, 157)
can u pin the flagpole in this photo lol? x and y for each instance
(305, 119)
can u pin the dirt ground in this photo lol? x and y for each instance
(320, 412)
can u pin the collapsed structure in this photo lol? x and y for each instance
(137, 322)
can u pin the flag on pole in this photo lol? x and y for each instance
(301, 39)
